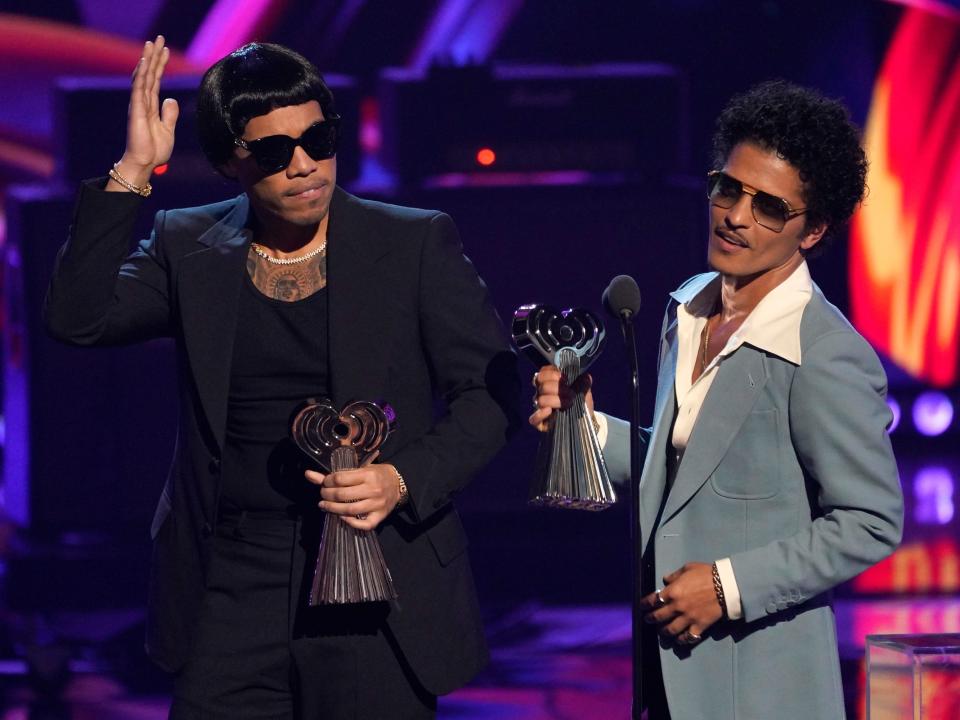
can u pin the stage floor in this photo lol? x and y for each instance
(547, 663)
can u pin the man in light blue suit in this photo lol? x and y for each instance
(769, 477)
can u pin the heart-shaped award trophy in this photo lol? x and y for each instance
(350, 565)
(570, 470)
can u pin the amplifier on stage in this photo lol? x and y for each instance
(611, 119)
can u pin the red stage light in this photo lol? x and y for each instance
(161, 169)
(486, 157)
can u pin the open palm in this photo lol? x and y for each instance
(150, 124)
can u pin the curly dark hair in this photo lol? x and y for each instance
(811, 132)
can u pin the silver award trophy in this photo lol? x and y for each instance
(350, 565)
(570, 471)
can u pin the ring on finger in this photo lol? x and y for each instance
(660, 601)
(361, 516)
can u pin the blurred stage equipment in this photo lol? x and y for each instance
(570, 471)
(627, 119)
(621, 300)
(350, 566)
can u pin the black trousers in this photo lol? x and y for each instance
(654, 695)
(262, 652)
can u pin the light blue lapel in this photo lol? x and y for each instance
(740, 379)
(653, 480)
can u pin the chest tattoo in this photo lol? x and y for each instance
(289, 283)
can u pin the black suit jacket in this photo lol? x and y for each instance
(408, 319)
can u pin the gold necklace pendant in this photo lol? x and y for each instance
(706, 347)
(288, 261)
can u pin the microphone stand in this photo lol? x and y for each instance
(636, 537)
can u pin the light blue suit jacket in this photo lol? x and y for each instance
(789, 473)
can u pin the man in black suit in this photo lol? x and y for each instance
(293, 289)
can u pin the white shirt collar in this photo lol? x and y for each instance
(772, 326)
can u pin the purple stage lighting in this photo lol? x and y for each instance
(895, 409)
(932, 413)
(933, 492)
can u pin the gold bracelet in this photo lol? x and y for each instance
(404, 493)
(121, 180)
(718, 590)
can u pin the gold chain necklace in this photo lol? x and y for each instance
(706, 346)
(288, 261)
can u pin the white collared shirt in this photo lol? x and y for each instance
(773, 326)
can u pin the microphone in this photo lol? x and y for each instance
(622, 298)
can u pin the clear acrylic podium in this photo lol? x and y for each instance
(913, 677)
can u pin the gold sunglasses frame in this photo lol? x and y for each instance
(750, 190)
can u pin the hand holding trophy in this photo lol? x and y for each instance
(350, 566)
(570, 471)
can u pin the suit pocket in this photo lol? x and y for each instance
(750, 469)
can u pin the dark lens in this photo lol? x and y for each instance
(272, 153)
(724, 190)
(770, 211)
(320, 140)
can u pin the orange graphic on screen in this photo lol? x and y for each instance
(905, 239)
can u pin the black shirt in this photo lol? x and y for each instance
(279, 360)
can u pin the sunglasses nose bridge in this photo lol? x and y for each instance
(741, 212)
(751, 194)
(300, 160)
(745, 196)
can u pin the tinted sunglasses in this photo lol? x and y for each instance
(274, 152)
(769, 211)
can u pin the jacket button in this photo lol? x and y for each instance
(207, 530)
(214, 466)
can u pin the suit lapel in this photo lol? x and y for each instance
(740, 379)
(358, 290)
(653, 480)
(208, 286)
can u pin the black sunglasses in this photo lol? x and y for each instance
(769, 211)
(274, 152)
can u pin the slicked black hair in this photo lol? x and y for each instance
(252, 81)
(811, 132)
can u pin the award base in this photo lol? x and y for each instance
(570, 470)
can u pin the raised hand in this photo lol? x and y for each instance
(150, 125)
